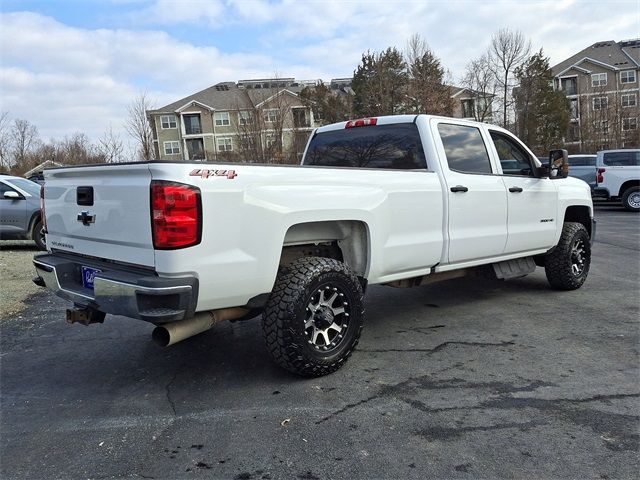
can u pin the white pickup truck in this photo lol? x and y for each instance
(399, 200)
(618, 177)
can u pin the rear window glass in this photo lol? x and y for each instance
(395, 146)
(464, 148)
(622, 159)
(585, 161)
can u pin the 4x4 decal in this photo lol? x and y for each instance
(206, 173)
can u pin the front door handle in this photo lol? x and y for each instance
(459, 188)
(515, 189)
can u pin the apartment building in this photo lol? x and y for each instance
(601, 84)
(261, 118)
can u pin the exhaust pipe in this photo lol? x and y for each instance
(174, 332)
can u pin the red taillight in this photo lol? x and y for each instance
(176, 215)
(42, 215)
(600, 176)
(362, 122)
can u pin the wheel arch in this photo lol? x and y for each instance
(345, 240)
(580, 214)
(627, 184)
(35, 216)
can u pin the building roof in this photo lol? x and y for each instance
(608, 54)
(221, 96)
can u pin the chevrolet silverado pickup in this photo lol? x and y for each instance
(400, 201)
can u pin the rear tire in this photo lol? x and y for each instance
(38, 235)
(314, 316)
(631, 199)
(567, 265)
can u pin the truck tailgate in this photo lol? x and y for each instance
(101, 211)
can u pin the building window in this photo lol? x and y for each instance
(598, 79)
(569, 85)
(221, 119)
(171, 148)
(468, 108)
(628, 76)
(168, 121)
(192, 124)
(271, 115)
(629, 100)
(573, 105)
(224, 144)
(630, 123)
(600, 103)
(269, 140)
(601, 127)
(244, 118)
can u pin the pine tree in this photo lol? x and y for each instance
(542, 112)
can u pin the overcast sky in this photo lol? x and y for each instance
(74, 65)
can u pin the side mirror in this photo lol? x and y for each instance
(11, 195)
(558, 164)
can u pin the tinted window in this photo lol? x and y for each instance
(513, 158)
(622, 159)
(394, 146)
(583, 161)
(465, 149)
(28, 186)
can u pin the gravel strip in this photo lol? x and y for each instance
(16, 272)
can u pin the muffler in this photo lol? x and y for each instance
(174, 332)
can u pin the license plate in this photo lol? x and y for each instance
(88, 274)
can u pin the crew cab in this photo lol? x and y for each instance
(399, 200)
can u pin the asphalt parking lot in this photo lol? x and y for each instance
(461, 379)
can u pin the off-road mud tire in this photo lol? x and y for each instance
(283, 319)
(559, 263)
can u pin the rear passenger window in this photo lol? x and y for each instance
(622, 159)
(585, 161)
(464, 148)
(394, 146)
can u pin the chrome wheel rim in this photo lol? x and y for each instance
(42, 236)
(578, 257)
(327, 318)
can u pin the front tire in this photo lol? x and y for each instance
(314, 316)
(567, 265)
(38, 235)
(631, 199)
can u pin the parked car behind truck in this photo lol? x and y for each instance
(20, 210)
(400, 201)
(618, 177)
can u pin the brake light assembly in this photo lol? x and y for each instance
(176, 215)
(362, 122)
(43, 217)
(600, 175)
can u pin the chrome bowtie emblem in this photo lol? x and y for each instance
(86, 218)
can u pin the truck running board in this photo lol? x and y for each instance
(518, 267)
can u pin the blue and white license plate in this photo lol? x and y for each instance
(88, 274)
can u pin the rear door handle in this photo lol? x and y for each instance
(459, 188)
(515, 189)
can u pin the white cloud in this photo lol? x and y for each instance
(67, 78)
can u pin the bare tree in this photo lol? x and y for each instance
(479, 80)
(138, 126)
(507, 51)
(426, 90)
(25, 139)
(110, 146)
(5, 141)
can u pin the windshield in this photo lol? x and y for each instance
(28, 186)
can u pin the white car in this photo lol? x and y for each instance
(399, 201)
